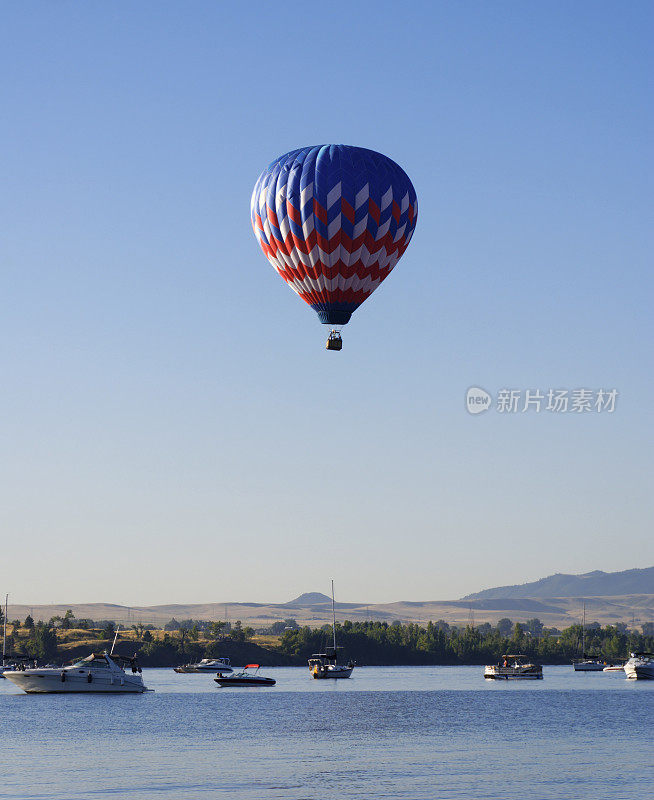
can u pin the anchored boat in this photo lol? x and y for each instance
(586, 663)
(207, 665)
(325, 665)
(245, 678)
(513, 667)
(98, 672)
(639, 667)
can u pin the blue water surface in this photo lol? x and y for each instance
(388, 732)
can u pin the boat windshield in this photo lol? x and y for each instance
(92, 661)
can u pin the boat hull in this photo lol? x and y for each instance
(642, 672)
(332, 673)
(227, 681)
(39, 682)
(534, 673)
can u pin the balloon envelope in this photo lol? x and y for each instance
(334, 220)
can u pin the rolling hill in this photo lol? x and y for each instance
(590, 584)
(557, 601)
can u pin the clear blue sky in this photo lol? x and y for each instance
(173, 430)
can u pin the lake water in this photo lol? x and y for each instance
(413, 733)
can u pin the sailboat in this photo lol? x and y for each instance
(325, 665)
(586, 664)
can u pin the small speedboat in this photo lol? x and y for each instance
(614, 668)
(245, 678)
(512, 667)
(639, 667)
(207, 665)
(99, 672)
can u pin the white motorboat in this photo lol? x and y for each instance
(640, 666)
(98, 672)
(513, 667)
(614, 668)
(325, 665)
(222, 665)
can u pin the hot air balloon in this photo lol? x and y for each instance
(334, 220)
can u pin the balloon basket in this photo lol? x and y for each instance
(334, 341)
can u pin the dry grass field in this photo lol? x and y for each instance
(632, 610)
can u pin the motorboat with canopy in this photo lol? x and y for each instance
(513, 666)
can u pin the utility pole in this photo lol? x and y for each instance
(471, 618)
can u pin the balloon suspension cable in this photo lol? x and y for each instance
(334, 341)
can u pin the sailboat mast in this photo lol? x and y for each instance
(583, 634)
(4, 632)
(111, 652)
(333, 617)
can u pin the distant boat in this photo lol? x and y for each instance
(245, 678)
(614, 668)
(99, 672)
(586, 663)
(207, 665)
(640, 666)
(513, 667)
(325, 665)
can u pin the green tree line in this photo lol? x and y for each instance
(438, 643)
(373, 643)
